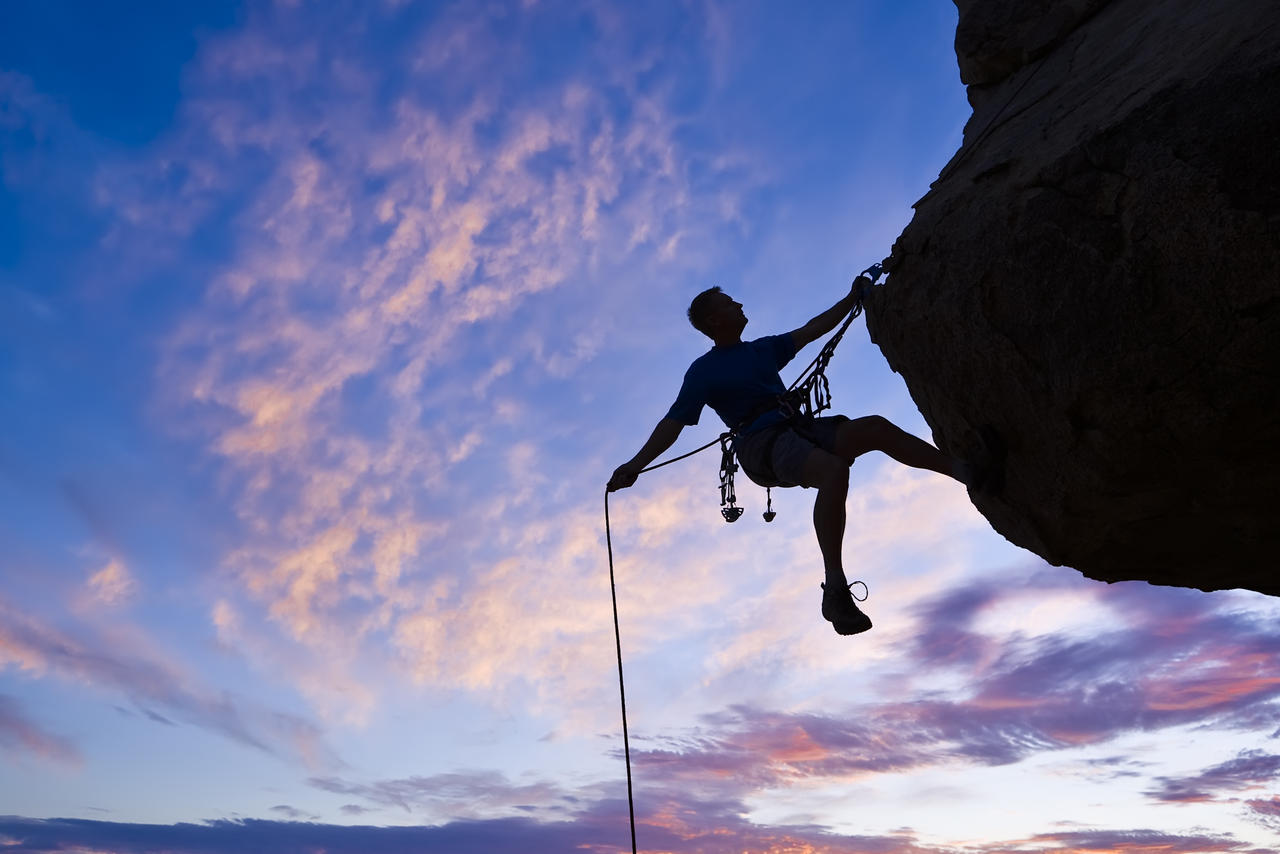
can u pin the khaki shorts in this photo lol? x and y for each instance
(775, 456)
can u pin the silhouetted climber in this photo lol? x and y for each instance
(740, 381)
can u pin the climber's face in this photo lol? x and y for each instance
(727, 315)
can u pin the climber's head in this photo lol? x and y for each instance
(717, 315)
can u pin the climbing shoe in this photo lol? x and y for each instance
(839, 609)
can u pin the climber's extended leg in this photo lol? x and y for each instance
(829, 474)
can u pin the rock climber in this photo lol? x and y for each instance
(740, 381)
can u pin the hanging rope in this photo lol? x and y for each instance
(622, 690)
(816, 397)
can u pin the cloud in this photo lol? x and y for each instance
(38, 648)
(695, 827)
(458, 795)
(1018, 696)
(1251, 769)
(293, 813)
(1268, 806)
(1164, 658)
(328, 684)
(113, 585)
(360, 366)
(1134, 842)
(19, 734)
(1264, 812)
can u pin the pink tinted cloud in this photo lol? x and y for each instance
(153, 685)
(20, 734)
(111, 586)
(388, 244)
(1266, 806)
(1265, 812)
(1023, 696)
(1177, 657)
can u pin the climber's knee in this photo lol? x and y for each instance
(825, 470)
(859, 435)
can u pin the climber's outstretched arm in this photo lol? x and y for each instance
(823, 323)
(663, 437)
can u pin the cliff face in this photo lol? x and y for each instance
(1096, 273)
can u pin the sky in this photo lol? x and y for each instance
(322, 326)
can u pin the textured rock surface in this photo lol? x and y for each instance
(1097, 274)
(994, 38)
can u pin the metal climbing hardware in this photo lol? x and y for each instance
(729, 508)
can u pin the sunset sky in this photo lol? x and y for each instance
(322, 327)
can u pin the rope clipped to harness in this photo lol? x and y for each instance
(809, 395)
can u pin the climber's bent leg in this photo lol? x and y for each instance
(876, 433)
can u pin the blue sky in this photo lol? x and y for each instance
(322, 327)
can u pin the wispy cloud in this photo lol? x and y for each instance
(1252, 769)
(1020, 697)
(458, 795)
(19, 734)
(1265, 812)
(153, 685)
(112, 585)
(347, 362)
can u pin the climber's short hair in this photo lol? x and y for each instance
(699, 308)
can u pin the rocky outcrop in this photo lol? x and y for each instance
(1096, 273)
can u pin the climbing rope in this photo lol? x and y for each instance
(622, 690)
(807, 396)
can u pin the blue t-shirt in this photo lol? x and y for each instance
(736, 382)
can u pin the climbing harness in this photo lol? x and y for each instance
(806, 397)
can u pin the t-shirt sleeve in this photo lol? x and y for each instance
(689, 402)
(784, 349)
